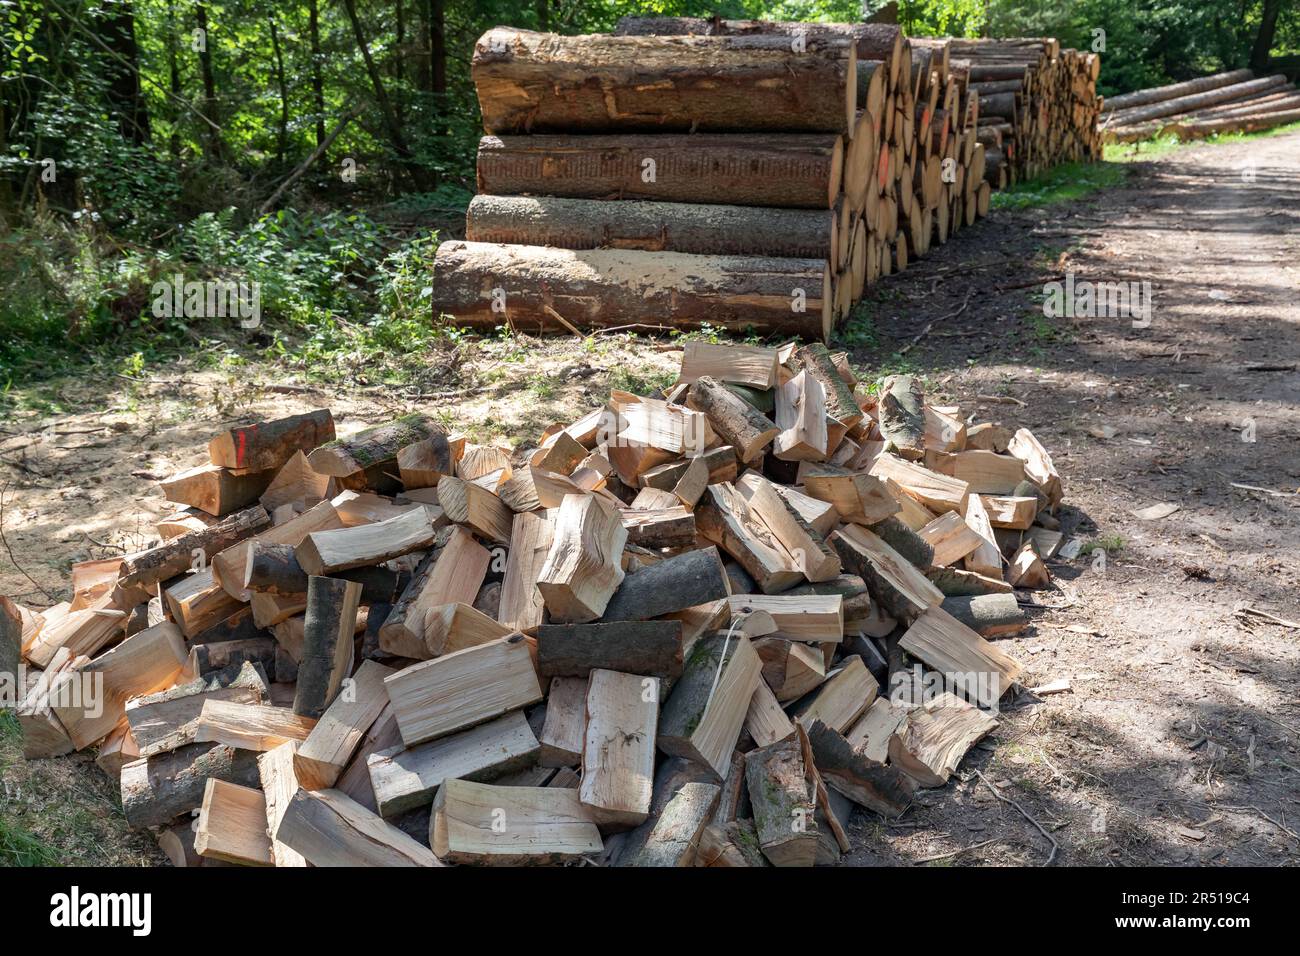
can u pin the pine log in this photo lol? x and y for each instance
(724, 517)
(329, 828)
(270, 444)
(651, 226)
(215, 490)
(176, 555)
(739, 423)
(1237, 124)
(703, 716)
(1195, 101)
(772, 171)
(650, 648)
(541, 82)
(606, 287)
(1157, 94)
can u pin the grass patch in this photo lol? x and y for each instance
(1159, 146)
(1111, 543)
(1066, 183)
(640, 381)
(18, 847)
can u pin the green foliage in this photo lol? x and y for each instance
(1065, 183)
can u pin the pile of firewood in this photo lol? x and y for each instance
(746, 174)
(1223, 103)
(694, 627)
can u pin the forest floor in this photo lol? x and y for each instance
(1177, 743)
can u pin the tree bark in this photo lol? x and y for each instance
(652, 226)
(317, 83)
(124, 86)
(777, 170)
(1264, 38)
(540, 82)
(602, 288)
(209, 111)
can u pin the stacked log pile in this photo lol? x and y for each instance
(746, 174)
(691, 628)
(1230, 102)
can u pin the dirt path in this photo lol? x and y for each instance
(1179, 739)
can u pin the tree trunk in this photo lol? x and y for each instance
(791, 170)
(1264, 39)
(386, 112)
(209, 110)
(124, 86)
(604, 288)
(317, 83)
(283, 137)
(540, 82)
(1190, 104)
(652, 226)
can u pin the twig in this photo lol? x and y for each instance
(1281, 622)
(1002, 400)
(965, 849)
(926, 331)
(563, 321)
(994, 790)
(307, 163)
(1285, 829)
(5, 541)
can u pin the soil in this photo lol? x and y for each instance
(1176, 743)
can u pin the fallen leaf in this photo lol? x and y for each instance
(1156, 512)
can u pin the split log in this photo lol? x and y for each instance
(279, 784)
(582, 569)
(870, 735)
(981, 671)
(801, 416)
(333, 741)
(270, 444)
(649, 648)
(206, 658)
(168, 719)
(618, 754)
(326, 658)
(938, 492)
(404, 779)
(544, 825)
(156, 790)
(541, 82)
(841, 404)
(476, 507)
(901, 411)
(197, 602)
(295, 482)
(769, 171)
(884, 790)
(274, 569)
(986, 558)
(842, 699)
(800, 617)
(329, 552)
(605, 287)
(452, 575)
(856, 497)
(739, 423)
(986, 472)
(522, 606)
(565, 726)
(232, 825)
(791, 670)
(784, 801)
(230, 566)
(215, 490)
(250, 726)
(660, 528)
(703, 716)
(724, 517)
(951, 538)
(142, 664)
(806, 545)
(438, 697)
(674, 584)
(329, 828)
(935, 737)
(894, 581)
(752, 365)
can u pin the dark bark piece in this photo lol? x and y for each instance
(156, 790)
(785, 803)
(649, 648)
(270, 444)
(674, 584)
(205, 658)
(326, 657)
(906, 542)
(883, 789)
